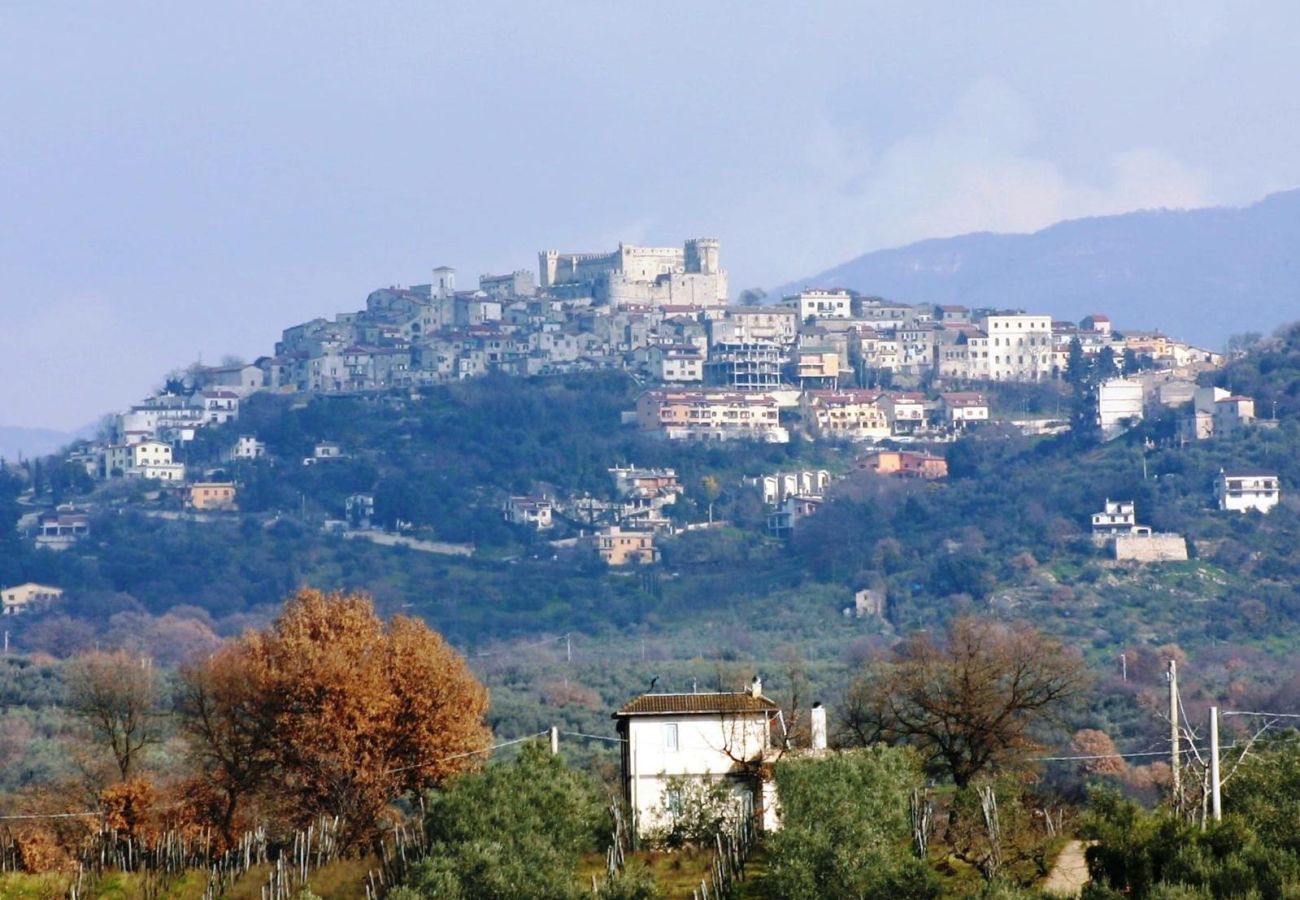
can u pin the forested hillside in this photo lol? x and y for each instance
(560, 639)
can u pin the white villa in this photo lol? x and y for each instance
(1242, 491)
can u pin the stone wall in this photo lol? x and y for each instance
(1150, 547)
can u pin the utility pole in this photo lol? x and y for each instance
(568, 648)
(1175, 777)
(1123, 666)
(555, 740)
(1216, 801)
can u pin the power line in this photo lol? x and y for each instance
(1099, 756)
(430, 762)
(518, 647)
(1267, 715)
(75, 815)
(596, 737)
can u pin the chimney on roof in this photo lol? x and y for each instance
(756, 687)
(818, 727)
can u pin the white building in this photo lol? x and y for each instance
(718, 735)
(1118, 399)
(248, 447)
(1117, 517)
(1019, 346)
(963, 408)
(1243, 490)
(529, 510)
(819, 304)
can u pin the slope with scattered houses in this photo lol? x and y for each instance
(821, 365)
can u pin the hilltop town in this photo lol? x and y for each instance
(861, 374)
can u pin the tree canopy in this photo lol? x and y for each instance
(967, 701)
(344, 711)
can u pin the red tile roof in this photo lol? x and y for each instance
(667, 704)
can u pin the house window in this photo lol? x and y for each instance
(670, 737)
(673, 799)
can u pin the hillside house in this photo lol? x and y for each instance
(1242, 490)
(247, 447)
(675, 364)
(219, 406)
(807, 482)
(534, 511)
(786, 515)
(210, 496)
(836, 303)
(1119, 400)
(1232, 414)
(718, 735)
(711, 415)
(962, 409)
(60, 529)
(620, 548)
(1117, 517)
(905, 463)
(906, 410)
(853, 415)
(21, 597)
(359, 510)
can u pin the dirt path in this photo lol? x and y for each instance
(1070, 873)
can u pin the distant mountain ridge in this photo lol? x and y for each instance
(18, 442)
(1200, 274)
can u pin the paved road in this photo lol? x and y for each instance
(1070, 873)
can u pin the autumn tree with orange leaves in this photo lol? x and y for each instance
(330, 711)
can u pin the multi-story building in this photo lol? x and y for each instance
(1020, 346)
(1119, 400)
(754, 366)
(676, 364)
(906, 410)
(854, 415)
(1117, 517)
(821, 304)
(753, 324)
(711, 415)
(619, 548)
(1242, 490)
(816, 366)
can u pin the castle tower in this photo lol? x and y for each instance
(547, 263)
(703, 256)
(444, 281)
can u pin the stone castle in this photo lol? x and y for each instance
(632, 275)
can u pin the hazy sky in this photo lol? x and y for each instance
(176, 182)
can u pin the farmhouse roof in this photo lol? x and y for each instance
(667, 704)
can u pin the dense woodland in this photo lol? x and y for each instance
(559, 639)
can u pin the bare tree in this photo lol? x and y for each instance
(116, 695)
(967, 701)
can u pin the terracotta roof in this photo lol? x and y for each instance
(665, 704)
